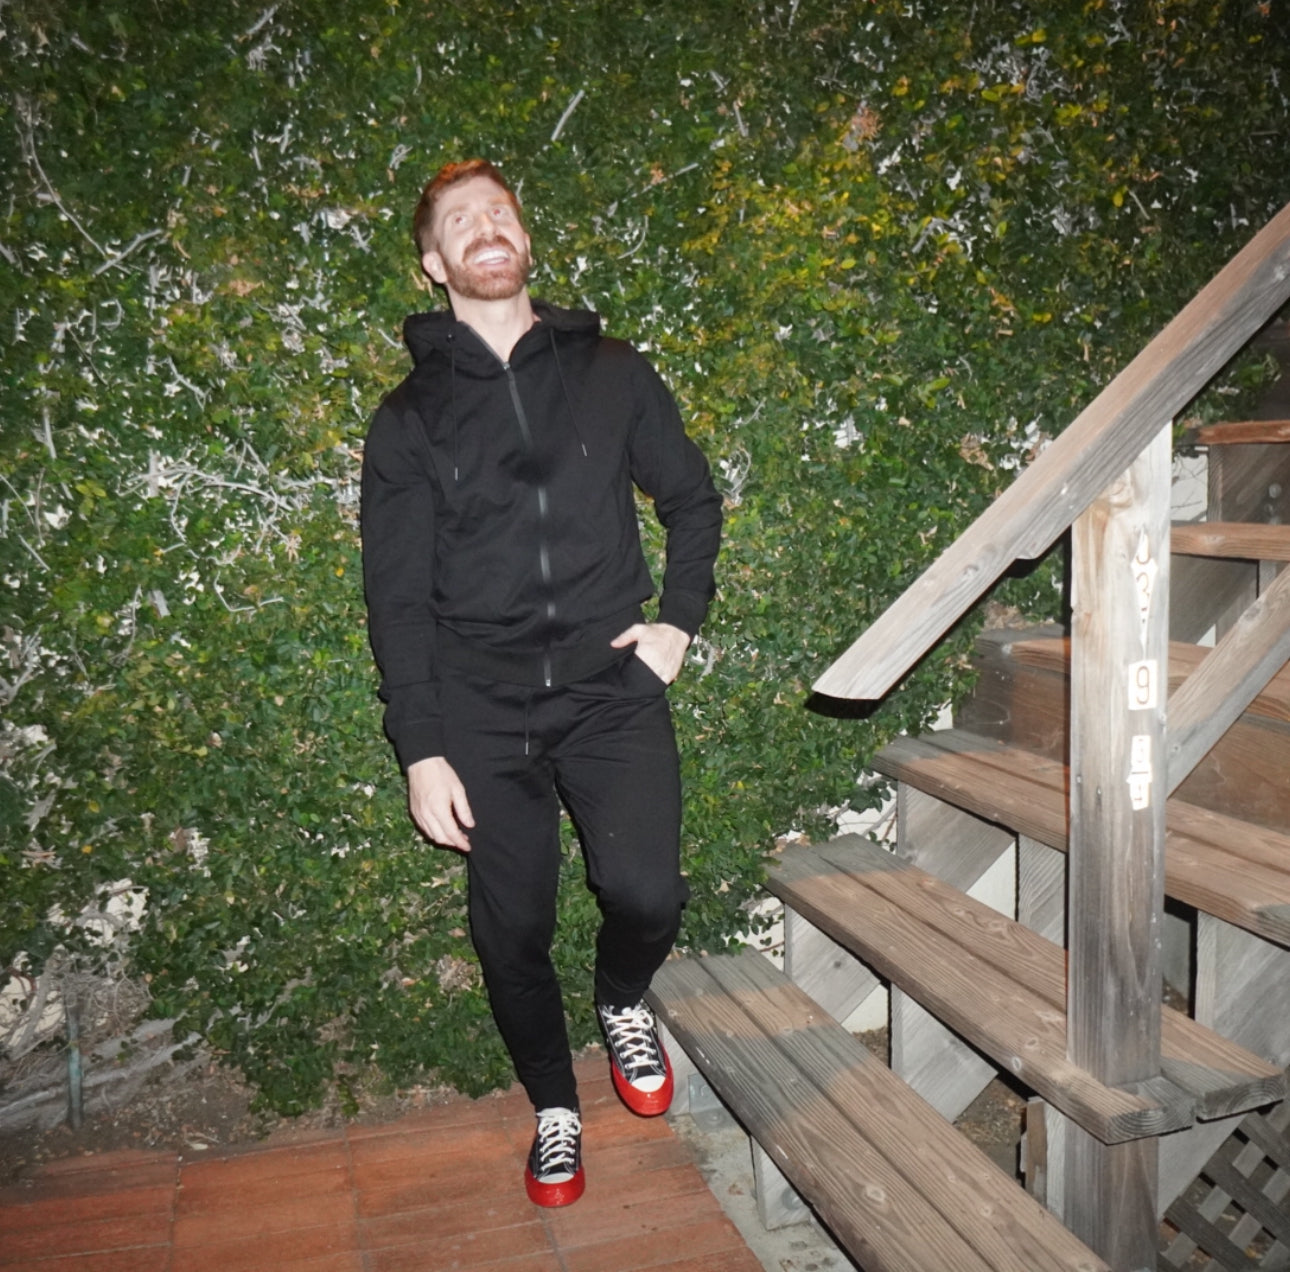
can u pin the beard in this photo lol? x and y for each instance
(489, 283)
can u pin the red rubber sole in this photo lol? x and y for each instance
(555, 1195)
(645, 1104)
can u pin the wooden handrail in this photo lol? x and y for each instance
(1230, 676)
(1093, 451)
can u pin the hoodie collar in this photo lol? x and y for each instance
(429, 332)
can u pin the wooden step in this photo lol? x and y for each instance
(1271, 432)
(1216, 539)
(1235, 870)
(1022, 697)
(1053, 653)
(897, 1185)
(1002, 987)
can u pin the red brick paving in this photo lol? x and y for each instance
(441, 1189)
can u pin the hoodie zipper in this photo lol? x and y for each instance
(544, 552)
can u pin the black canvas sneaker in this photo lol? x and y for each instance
(639, 1066)
(554, 1175)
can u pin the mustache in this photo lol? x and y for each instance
(491, 242)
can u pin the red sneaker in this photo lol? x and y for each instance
(639, 1066)
(554, 1175)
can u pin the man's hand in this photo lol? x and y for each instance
(437, 802)
(659, 645)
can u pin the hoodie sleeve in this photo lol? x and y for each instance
(397, 521)
(671, 469)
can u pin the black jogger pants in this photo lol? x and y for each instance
(605, 747)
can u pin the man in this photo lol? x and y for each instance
(504, 578)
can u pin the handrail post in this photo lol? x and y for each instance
(1119, 670)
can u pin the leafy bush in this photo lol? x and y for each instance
(880, 250)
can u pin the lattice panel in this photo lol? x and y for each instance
(1236, 1214)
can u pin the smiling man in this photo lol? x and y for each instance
(505, 581)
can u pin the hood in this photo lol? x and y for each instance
(441, 331)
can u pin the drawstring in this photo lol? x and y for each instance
(528, 702)
(564, 386)
(452, 350)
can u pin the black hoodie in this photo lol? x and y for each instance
(499, 523)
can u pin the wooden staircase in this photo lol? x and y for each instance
(1066, 770)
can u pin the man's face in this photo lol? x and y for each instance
(481, 249)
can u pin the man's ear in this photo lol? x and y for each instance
(432, 265)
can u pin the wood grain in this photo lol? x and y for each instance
(1008, 1021)
(1221, 1076)
(1053, 654)
(1216, 539)
(1026, 793)
(1271, 432)
(900, 1187)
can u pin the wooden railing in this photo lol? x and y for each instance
(1098, 446)
(1107, 478)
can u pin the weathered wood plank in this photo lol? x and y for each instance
(883, 1220)
(1053, 654)
(1246, 840)
(1250, 483)
(983, 934)
(1225, 682)
(833, 977)
(955, 846)
(1271, 432)
(1096, 448)
(940, 1066)
(986, 1207)
(1228, 887)
(1014, 701)
(1041, 889)
(946, 840)
(1007, 1020)
(1021, 699)
(1216, 539)
(1027, 793)
(1015, 789)
(1222, 1076)
(1243, 987)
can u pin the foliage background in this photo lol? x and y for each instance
(880, 250)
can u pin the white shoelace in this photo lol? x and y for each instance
(635, 1043)
(557, 1137)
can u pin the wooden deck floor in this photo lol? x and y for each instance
(438, 1190)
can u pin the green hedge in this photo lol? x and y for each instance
(880, 251)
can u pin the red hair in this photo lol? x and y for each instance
(450, 176)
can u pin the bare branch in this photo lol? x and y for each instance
(117, 258)
(35, 554)
(568, 111)
(636, 248)
(27, 139)
(48, 437)
(260, 22)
